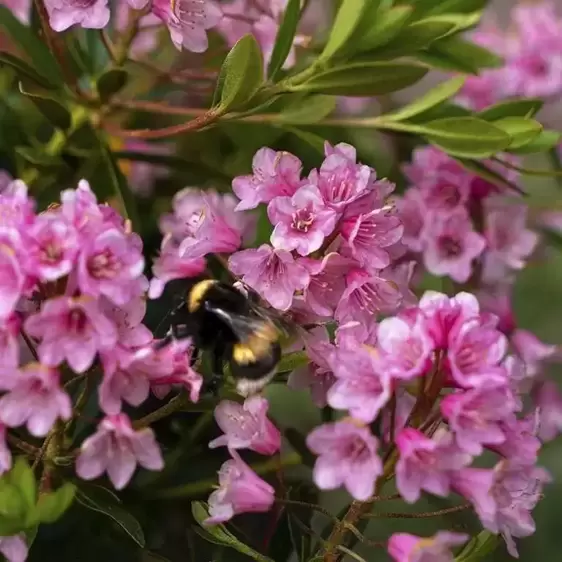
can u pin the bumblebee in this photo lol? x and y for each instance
(234, 327)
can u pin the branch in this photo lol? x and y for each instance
(176, 404)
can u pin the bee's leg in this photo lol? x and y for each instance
(215, 382)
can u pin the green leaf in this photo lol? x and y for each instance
(430, 7)
(292, 361)
(115, 179)
(241, 74)
(414, 38)
(445, 109)
(220, 535)
(284, 39)
(37, 157)
(111, 82)
(41, 58)
(490, 175)
(52, 109)
(364, 79)
(522, 131)
(51, 507)
(308, 110)
(544, 141)
(312, 139)
(348, 17)
(435, 96)
(466, 137)
(512, 108)
(384, 28)
(103, 501)
(458, 54)
(21, 477)
(459, 21)
(478, 548)
(23, 70)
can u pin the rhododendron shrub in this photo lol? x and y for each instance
(147, 144)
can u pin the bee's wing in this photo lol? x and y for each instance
(242, 325)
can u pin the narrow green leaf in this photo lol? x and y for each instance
(292, 361)
(490, 175)
(466, 137)
(103, 501)
(348, 17)
(220, 535)
(111, 82)
(430, 7)
(364, 79)
(544, 141)
(463, 55)
(284, 39)
(384, 28)
(52, 506)
(512, 108)
(312, 139)
(37, 157)
(459, 21)
(241, 74)
(118, 183)
(478, 548)
(23, 70)
(41, 58)
(308, 110)
(440, 111)
(522, 131)
(435, 96)
(52, 109)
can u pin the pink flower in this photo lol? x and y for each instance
(301, 221)
(521, 444)
(475, 484)
(5, 453)
(116, 448)
(275, 174)
(34, 398)
(246, 426)
(517, 490)
(509, 243)
(549, 405)
(475, 351)
(174, 262)
(71, 329)
(145, 41)
(9, 342)
(367, 294)
(274, 274)
(16, 208)
(240, 490)
(348, 457)
(406, 348)
(474, 415)
(317, 375)
(362, 387)
(122, 384)
(188, 21)
(413, 217)
(11, 276)
(80, 207)
(341, 180)
(446, 314)
(327, 282)
(14, 548)
(370, 233)
(404, 547)
(426, 464)
(89, 14)
(51, 247)
(452, 245)
(20, 9)
(531, 350)
(111, 264)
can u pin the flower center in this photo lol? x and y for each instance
(76, 321)
(450, 247)
(303, 220)
(51, 252)
(104, 265)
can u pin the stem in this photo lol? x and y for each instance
(108, 44)
(529, 171)
(424, 515)
(22, 445)
(176, 404)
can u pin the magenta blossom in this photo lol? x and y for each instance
(188, 21)
(274, 274)
(426, 464)
(275, 174)
(404, 547)
(413, 215)
(548, 399)
(240, 490)
(521, 444)
(16, 208)
(317, 375)
(34, 398)
(5, 453)
(14, 548)
(474, 415)
(9, 342)
(12, 279)
(116, 448)
(452, 245)
(301, 222)
(348, 456)
(246, 426)
(65, 13)
(71, 329)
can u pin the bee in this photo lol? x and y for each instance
(235, 327)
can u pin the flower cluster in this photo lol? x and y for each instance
(532, 55)
(72, 286)
(461, 223)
